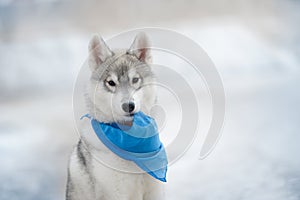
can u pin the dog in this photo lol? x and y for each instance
(120, 85)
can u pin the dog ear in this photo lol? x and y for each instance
(141, 48)
(98, 52)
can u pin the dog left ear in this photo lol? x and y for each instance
(141, 48)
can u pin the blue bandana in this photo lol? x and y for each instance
(139, 143)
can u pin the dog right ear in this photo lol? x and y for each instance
(98, 52)
(141, 48)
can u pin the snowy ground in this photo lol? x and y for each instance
(37, 135)
(256, 158)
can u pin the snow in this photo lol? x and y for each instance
(256, 158)
(51, 63)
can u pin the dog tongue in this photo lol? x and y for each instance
(129, 123)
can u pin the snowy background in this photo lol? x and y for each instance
(254, 45)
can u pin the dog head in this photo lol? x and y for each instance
(121, 82)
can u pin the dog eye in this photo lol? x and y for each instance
(135, 80)
(111, 83)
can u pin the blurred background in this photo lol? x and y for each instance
(254, 44)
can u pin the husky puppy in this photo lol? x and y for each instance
(121, 84)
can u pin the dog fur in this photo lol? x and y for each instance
(117, 77)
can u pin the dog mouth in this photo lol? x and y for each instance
(129, 115)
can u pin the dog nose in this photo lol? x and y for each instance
(128, 107)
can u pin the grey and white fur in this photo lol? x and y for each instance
(121, 84)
